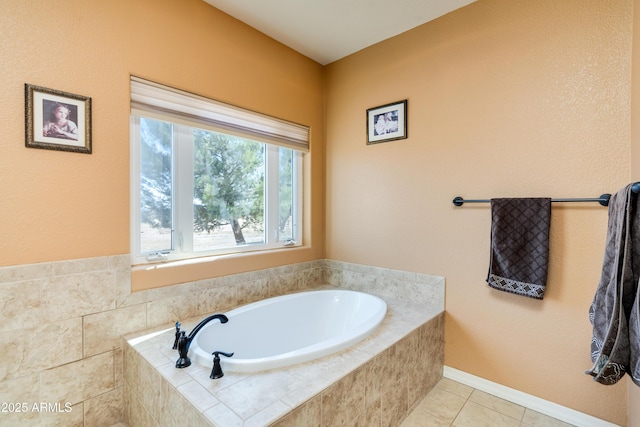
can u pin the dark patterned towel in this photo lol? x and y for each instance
(615, 345)
(520, 245)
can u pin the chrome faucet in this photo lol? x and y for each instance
(183, 341)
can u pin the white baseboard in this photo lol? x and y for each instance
(542, 406)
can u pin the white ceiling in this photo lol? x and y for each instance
(327, 30)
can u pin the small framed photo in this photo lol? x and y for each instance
(56, 120)
(387, 122)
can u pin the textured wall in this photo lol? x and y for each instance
(57, 205)
(506, 99)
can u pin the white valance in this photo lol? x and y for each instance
(154, 100)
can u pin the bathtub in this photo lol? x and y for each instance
(289, 329)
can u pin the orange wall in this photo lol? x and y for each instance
(58, 205)
(506, 99)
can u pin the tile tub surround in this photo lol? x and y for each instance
(375, 382)
(396, 284)
(61, 324)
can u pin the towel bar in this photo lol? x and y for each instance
(603, 199)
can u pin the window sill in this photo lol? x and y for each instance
(149, 276)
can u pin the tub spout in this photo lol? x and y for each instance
(183, 341)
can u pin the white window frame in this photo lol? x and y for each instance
(149, 100)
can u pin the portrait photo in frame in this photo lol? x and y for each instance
(56, 120)
(387, 122)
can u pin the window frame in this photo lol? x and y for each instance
(182, 189)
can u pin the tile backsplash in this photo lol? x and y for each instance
(61, 325)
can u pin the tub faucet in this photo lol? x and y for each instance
(216, 372)
(183, 341)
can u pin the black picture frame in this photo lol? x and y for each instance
(387, 122)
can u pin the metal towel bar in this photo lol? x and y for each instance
(603, 199)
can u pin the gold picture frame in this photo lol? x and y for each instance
(56, 120)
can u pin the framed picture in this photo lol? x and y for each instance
(57, 120)
(387, 122)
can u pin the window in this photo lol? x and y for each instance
(208, 178)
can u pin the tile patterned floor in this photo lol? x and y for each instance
(451, 404)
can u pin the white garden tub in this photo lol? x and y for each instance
(289, 329)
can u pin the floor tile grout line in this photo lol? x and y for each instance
(524, 409)
(462, 407)
(466, 397)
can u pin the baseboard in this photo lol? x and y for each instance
(542, 406)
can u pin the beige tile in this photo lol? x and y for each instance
(82, 265)
(104, 410)
(200, 374)
(197, 395)
(442, 404)
(103, 331)
(252, 291)
(118, 367)
(256, 392)
(20, 305)
(177, 410)
(78, 381)
(372, 416)
(120, 262)
(49, 345)
(155, 294)
(157, 358)
(308, 414)
(220, 415)
(170, 310)
(215, 299)
(20, 273)
(492, 402)
(268, 415)
(62, 416)
(536, 419)
(415, 366)
(380, 374)
(65, 297)
(131, 369)
(199, 420)
(123, 285)
(149, 389)
(455, 387)
(421, 418)
(139, 415)
(475, 415)
(19, 419)
(394, 404)
(23, 390)
(126, 391)
(282, 284)
(344, 400)
(176, 377)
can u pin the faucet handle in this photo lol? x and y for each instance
(216, 372)
(183, 349)
(175, 342)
